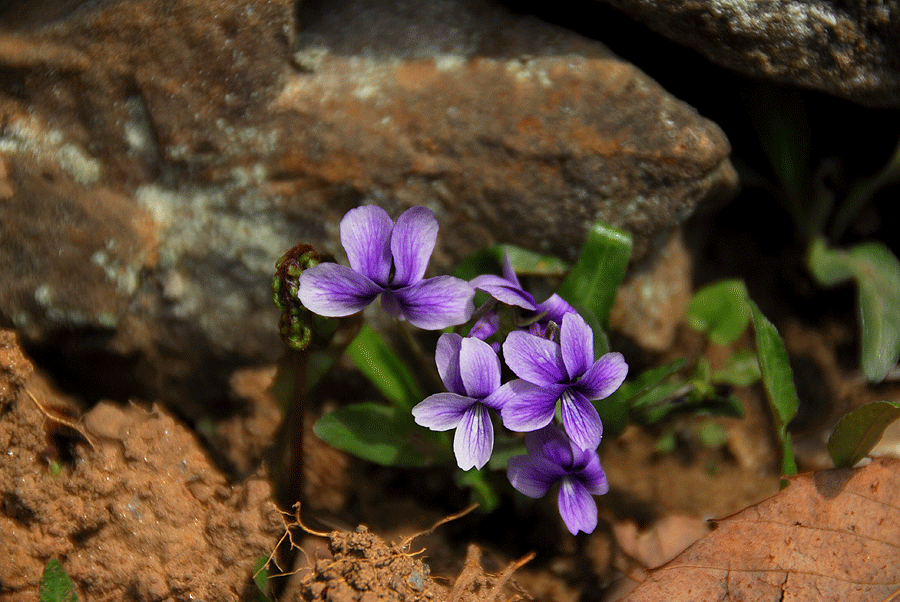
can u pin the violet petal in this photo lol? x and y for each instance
(604, 376)
(551, 443)
(333, 290)
(532, 475)
(577, 342)
(499, 398)
(593, 477)
(576, 506)
(556, 308)
(474, 438)
(508, 272)
(581, 420)
(531, 408)
(486, 326)
(504, 291)
(366, 236)
(412, 243)
(479, 367)
(534, 358)
(441, 411)
(437, 303)
(446, 356)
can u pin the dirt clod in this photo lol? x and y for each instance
(140, 514)
(363, 568)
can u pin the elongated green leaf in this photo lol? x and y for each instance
(55, 584)
(857, 432)
(720, 310)
(594, 279)
(647, 388)
(631, 390)
(778, 380)
(375, 432)
(876, 272)
(384, 369)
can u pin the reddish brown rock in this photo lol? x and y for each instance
(652, 302)
(188, 148)
(71, 256)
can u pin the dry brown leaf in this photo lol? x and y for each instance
(662, 542)
(831, 535)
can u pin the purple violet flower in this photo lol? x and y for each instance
(388, 259)
(470, 370)
(564, 372)
(507, 289)
(552, 458)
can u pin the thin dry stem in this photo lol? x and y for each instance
(63, 420)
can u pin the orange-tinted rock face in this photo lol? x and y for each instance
(158, 157)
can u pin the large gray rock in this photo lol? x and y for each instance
(845, 48)
(157, 157)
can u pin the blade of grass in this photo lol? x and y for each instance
(384, 369)
(594, 279)
(375, 432)
(778, 380)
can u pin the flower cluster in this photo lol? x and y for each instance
(550, 350)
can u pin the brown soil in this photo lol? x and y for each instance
(130, 505)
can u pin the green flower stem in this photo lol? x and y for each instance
(288, 451)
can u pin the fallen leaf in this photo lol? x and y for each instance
(831, 535)
(662, 542)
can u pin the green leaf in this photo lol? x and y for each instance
(828, 266)
(529, 263)
(643, 391)
(778, 380)
(55, 584)
(857, 432)
(261, 579)
(647, 380)
(876, 272)
(720, 310)
(524, 262)
(375, 432)
(384, 369)
(594, 279)
(742, 370)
